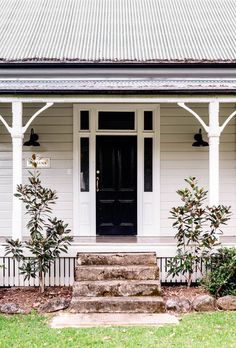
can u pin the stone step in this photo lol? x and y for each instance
(117, 305)
(96, 273)
(148, 258)
(117, 288)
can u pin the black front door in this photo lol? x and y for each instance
(116, 184)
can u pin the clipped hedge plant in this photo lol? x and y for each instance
(221, 280)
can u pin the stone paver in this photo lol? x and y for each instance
(66, 320)
(117, 288)
(136, 304)
(137, 272)
(116, 259)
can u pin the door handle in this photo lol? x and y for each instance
(97, 181)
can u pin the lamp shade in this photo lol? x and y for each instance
(198, 140)
(33, 139)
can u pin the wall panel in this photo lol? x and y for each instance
(180, 160)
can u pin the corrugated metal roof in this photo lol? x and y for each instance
(118, 30)
(117, 85)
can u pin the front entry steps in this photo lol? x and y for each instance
(117, 283)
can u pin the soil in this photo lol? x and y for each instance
(29, 298)
(183, 291)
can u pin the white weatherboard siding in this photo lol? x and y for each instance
(54, 127)
(5, 173)
(178, 159)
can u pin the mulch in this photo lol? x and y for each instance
(183, 291)
(29, 297)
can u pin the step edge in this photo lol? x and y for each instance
(117, 253)
(115, 298)
(114, 281)
(115, 266)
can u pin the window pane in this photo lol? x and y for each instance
(84, 120)
(148, 120)
(148, 164)
(116, 120)
(84, 164)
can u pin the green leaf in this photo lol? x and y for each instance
(197, 228)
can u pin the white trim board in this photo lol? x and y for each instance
(125, 99)
(148, 203)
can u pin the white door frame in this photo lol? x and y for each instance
(148, 203)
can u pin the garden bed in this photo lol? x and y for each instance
(29, 298)
(182, 291)
(178, 299)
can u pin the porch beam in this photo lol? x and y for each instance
(97, 99)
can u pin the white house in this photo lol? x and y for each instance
(116, 91)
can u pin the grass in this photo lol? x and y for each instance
(196, 330)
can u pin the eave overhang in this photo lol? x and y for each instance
(116, 85)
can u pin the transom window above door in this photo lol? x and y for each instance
(116, 120)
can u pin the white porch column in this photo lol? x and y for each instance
(17, 140)
(213, 131)
(214, 142)
(17, 133)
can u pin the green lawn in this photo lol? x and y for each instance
(195, 330)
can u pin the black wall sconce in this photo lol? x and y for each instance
(199, 141)
(33, 139)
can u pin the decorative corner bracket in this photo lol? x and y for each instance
(48, 105)
(228, 119)
(200, 120)
(24, 129)
(207, 128)
(9, 129)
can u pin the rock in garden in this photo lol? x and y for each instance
(54, 305)
(227, 303)
(36, 305)
(11, 308)
(172, 305)
(204, 303)
(181, 305)
(184, 304)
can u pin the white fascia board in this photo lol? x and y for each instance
(98, 99)
(92, 73)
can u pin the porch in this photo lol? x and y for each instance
(173, 157)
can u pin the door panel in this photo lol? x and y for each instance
(116, 198)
